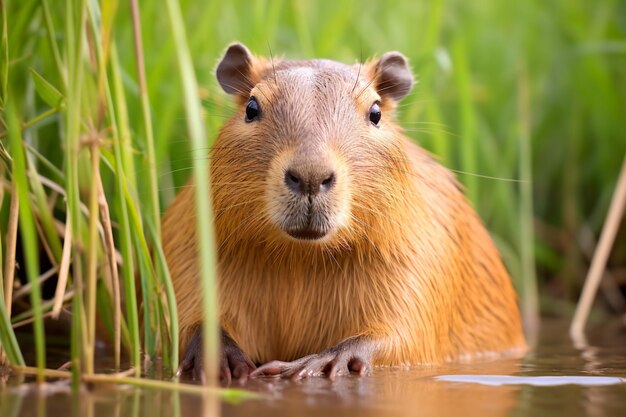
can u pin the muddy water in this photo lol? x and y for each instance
(555, 378)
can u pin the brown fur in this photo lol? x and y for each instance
(412, 266)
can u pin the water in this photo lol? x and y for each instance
(554, 379)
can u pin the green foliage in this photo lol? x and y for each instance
(46, 91)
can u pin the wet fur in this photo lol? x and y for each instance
(413, 268)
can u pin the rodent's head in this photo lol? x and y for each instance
(312, 152)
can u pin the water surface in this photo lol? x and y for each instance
(554, 379)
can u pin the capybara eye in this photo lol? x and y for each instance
(252, 109)
(375, 114)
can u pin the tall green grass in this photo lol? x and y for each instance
(100, 125)
(71, 112)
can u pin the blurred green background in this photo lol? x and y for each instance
(500, 85)
(524, 101)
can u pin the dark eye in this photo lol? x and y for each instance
(252, 110)
(375, 114)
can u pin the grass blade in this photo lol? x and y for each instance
(74, 24)
(11, 239)
(4, 56)
(53, 44)
(46, 91)
(529, 294)
(197, 134)
(154, 212)
(92, 255)
(29, 235)
(7, 338)
(171, 300)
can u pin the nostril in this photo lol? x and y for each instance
(328, 182)
(293, 181)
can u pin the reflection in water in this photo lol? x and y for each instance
(386, 392)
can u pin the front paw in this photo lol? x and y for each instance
(234, 363)
(350, 356)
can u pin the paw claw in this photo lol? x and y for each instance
(358, 366)
(334, 369)
(351, 355)
(234, 363)
(301, 374)
(179, 370)
(270, 369)
(225, 376)
(241, 371)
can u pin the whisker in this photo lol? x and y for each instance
(237, 89)
(359, 72)
(245, 222)
(413, 102)
(456, 171)
(447, 132)
(273, 67)
(425, 123)
(365, 88)
(252, 85)
(489, 177)
(220, 212)
(221, 116)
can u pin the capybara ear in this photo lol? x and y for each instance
(392, 76)
(235, 71)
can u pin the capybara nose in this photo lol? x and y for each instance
(309, 182)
